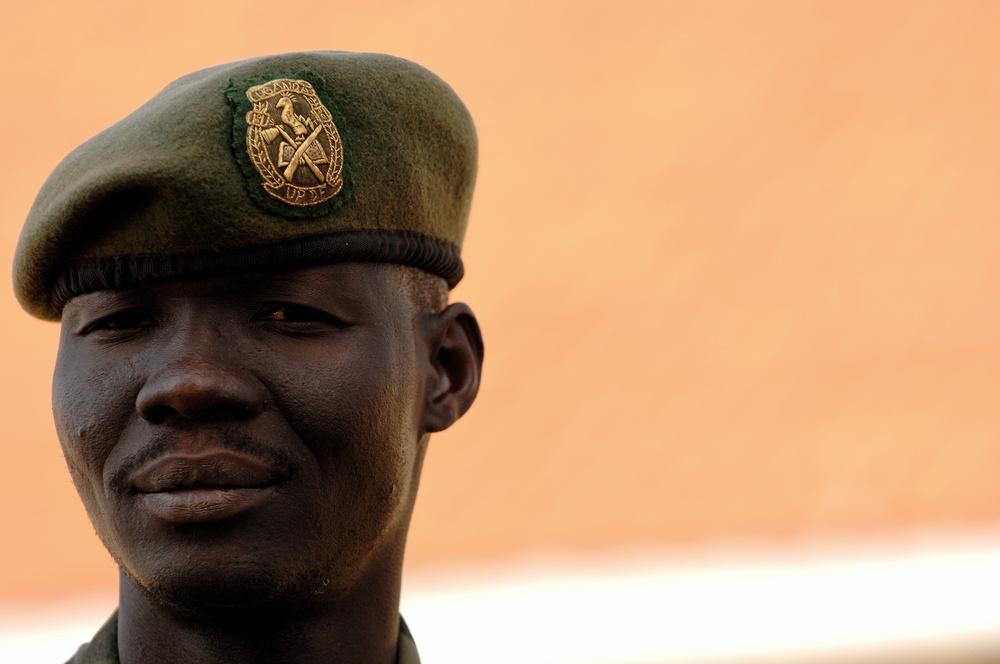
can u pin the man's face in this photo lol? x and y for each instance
(247, 438)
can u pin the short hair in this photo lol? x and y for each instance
(428, 292)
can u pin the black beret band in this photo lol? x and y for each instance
(400, 247)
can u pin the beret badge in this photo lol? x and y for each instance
(293, 143)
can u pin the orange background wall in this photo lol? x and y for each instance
(738, 264)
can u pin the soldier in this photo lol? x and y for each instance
(252, 275)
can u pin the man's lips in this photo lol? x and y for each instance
(200, 488)
(221, 469)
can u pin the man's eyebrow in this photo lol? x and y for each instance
(106, 299)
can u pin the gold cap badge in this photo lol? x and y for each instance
(293, 143)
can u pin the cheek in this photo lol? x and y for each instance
(90, 405)
(359, 417)
(385, 460)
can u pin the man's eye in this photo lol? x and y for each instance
(132, 319)
(293, 313)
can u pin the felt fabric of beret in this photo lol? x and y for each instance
(276, 162)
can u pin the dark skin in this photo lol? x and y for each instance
(249, 448)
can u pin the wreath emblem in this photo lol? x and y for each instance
(293, 143)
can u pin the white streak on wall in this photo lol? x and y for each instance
(856, 602)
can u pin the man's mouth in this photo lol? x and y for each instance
(219, 469)
(204, 487)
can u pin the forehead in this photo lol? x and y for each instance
(366, 286)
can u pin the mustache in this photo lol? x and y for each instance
(237, 441)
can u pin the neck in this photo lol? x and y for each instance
(360, 627)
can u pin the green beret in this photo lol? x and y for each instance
(276, 162)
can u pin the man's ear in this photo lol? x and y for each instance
(455, 363)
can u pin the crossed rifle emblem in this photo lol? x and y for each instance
(300, 147)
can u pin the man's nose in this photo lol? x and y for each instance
(201, 386)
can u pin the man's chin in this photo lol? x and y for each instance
(221, 593)
(222, 578)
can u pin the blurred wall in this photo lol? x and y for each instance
(737, 263)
